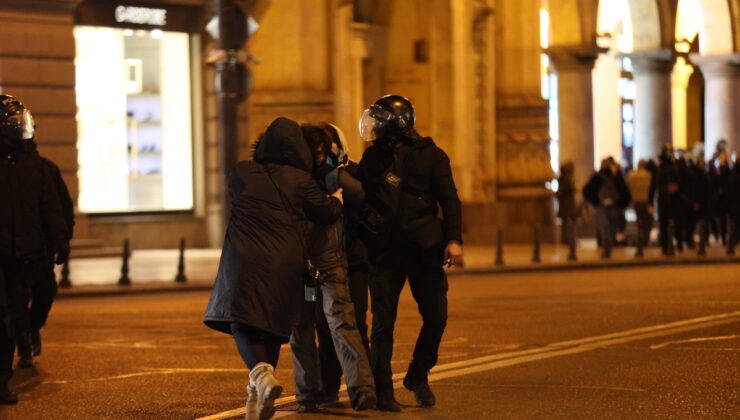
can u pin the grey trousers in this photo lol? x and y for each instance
(340, 316)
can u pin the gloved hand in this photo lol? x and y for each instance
(61, 255)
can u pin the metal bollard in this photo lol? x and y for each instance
(536, 248)
(499, 247)
(65, 282)
(572, 241)
(730, 251)
(125, 280)
(639, 253)
(702, 249)
(180, 277)
(669, 251)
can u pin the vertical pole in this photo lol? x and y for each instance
(639, 253)
(180, 277)
(124, 280)
(730, 237)
(226, 85)
(702, 250)
(499, 246)
(572, 241)
(536, 249)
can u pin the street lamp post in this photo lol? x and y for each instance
(232, 30)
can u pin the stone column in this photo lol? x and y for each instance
(575, 108)
(721, 100)
(653, 121)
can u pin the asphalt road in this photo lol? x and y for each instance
(659, 343)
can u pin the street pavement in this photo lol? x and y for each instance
(644, 342)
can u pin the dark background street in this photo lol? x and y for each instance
(516, 346)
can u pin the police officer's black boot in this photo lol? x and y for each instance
(386, 398)
(7, 396)
(25, 355)
(416, 380)
(36, 343)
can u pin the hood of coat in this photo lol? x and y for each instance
(283, 142)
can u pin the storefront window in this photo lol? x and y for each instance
(134, 120)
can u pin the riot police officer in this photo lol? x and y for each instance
(30, 220)
(407, 180)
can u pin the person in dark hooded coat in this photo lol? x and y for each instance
(259, 287)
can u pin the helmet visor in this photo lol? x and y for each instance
(28, 126)
(367, 126)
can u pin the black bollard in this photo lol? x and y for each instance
(730, 237)
(499, 247)
(65, 282)
(639, 253)
(669, 251)
(125, 280)
(702, 249)
(180, 277)
(572, 241)
(536, 248)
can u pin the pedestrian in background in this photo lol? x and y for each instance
(259, 287)
(668, 190)
(568, 210)
(607, 193)
(638, 182)
(720, 175)
(31, 225)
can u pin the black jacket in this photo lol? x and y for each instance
(31, 218)
(593, 187)
(409, 185)
(260, 275)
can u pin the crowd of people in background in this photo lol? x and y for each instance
(679, 189)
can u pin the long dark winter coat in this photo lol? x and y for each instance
(260, 275)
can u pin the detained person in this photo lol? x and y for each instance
(407, 180)
(335, 310)
(259, 287)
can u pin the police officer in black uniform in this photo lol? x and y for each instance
(407, 181)
(30, 219)
(44, 285)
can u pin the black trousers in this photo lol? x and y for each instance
(13, 296)
(43, 291)
(428, 283)
(331, 369)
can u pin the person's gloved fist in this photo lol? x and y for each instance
(62, 253)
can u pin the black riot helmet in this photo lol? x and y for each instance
(389, 115)
(16, 123)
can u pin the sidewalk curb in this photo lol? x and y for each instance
(594, 265)
(158, 287)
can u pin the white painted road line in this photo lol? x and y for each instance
(694, 340)
(563, 348)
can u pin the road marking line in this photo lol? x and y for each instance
(693, 340)
(148, 372)
(562, 348)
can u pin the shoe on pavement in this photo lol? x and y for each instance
(268, 389)
(365, 400)
(36, 343)
(386, 401)
(308, 407)
(417, 381)
(25, 361)
(7, 397)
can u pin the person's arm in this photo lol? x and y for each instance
(65, 198)
(443, 187)
(353, 192)
(319, 208)
(52, 217)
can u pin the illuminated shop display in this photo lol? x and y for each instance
(134, 117)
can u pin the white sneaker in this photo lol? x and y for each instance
(268, 389)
